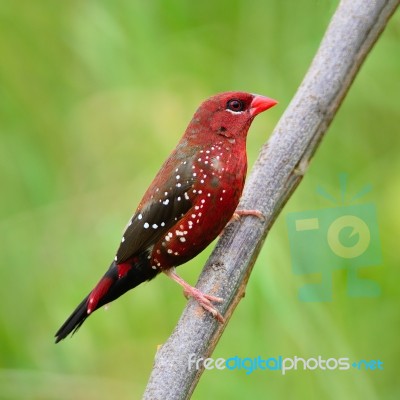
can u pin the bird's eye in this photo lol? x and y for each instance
(235, 105)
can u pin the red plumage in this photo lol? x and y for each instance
(190, 201)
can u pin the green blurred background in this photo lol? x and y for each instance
(93, 97)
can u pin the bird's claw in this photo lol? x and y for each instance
(204, 300)
(196, 294)
(239, 213)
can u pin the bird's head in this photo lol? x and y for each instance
(228, 115)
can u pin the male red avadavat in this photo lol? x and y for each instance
(188, 204)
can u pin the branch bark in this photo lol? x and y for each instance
(352, 32)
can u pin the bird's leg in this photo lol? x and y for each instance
(202, 299)
(238, 213)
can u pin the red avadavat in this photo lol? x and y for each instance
(188, 204)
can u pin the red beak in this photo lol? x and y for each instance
(260, 104)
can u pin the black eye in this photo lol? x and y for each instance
(235, 105)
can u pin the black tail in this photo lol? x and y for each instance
(117, 281)
(75, 320)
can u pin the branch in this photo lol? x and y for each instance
(352, 32)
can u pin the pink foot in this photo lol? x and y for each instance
(238, 213)
(204, 300)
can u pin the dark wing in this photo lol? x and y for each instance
(169, 202)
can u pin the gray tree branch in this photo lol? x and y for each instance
(352, 32)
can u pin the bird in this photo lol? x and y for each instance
(188, 204)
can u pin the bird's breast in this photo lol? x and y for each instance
(218, 173)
